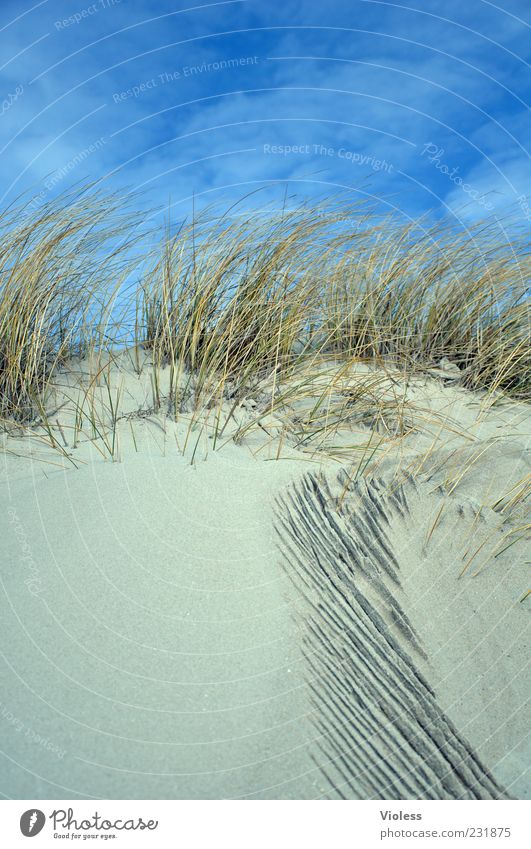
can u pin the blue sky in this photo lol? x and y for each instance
(420, 105)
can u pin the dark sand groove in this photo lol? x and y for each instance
(383, 734)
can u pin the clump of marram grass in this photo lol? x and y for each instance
(420, 295)
(60, 267)
(230, 302)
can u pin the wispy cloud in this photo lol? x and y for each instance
(213, 99)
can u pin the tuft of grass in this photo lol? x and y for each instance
(233, 301)
(60, 268)
(419, 295)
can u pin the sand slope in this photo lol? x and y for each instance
(158, 639)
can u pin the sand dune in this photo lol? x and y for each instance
(267, 617)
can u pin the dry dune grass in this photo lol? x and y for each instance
(277, 307)
(240, 298)
(60, 266)
(424, 295)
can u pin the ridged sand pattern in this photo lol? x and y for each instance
(382, 734)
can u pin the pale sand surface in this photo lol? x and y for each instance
(152, 637)
(474, 630)
(160, 652)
